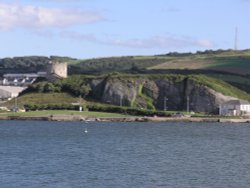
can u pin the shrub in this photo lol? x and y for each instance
(33, 107)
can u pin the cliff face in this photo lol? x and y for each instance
(158, 93)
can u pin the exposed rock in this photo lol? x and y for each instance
(172, 92)
(120, 92)
(150, 89)
(177, 94)
(97, 87)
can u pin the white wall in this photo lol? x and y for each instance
(7, 92)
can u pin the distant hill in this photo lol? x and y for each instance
(225, 61)
(28, 64)
(228, 65)
(229, 61)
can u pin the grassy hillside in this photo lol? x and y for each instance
(228, 61)
(237, 62)
(120, 64)
(221, 86)
(43, 98)
(238, 81)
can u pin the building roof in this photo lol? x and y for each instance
(21, 75)
(236, 102)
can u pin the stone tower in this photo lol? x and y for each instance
(57, 70)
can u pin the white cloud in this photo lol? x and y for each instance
(147, 43)
(15, 16)
(205, 43)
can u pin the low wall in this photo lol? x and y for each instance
(126, 119)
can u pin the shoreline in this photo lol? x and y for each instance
(72, 118)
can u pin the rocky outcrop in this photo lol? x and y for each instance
(173, 94)
(120, 92)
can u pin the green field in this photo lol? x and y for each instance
(237, 62)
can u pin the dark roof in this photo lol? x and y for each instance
(236, 102)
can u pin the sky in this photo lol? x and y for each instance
(106, 28)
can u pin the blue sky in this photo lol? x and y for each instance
(104, 28)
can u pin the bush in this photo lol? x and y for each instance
(33, 107)
(126, 110)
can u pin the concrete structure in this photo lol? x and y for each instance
(8, 92)
(58, 70)
(235, 108)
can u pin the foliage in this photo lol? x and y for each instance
(238, 81)
(45, 87)
(146, 98)
(126, 110)
(23, 64)
(32, 107)
(75, 85)
(29, 64)
(121, 64)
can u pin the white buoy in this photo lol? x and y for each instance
(85, 131)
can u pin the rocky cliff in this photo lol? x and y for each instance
(172, 93)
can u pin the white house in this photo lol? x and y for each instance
(19, 79)
(235, 108)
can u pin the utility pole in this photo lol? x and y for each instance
(187, 104)
(80, 103)
(165, 103)
(121, 97)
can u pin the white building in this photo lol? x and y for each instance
(19, 79)
(9, 92)
(235, 108)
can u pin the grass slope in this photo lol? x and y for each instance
(237, 62)
(43, 98)
(221, 86)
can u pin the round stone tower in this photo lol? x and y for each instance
(59, 70)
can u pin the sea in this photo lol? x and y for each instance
(42, 154)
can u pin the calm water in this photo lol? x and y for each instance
(59, 154)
